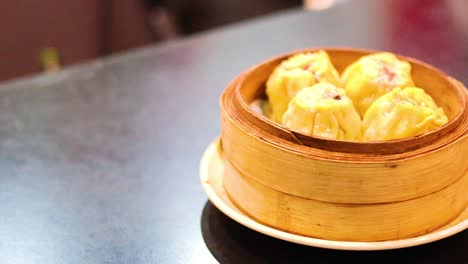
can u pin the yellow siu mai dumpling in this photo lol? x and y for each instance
(374, 75)
(323, 110)
(295, 73)
(402, 113)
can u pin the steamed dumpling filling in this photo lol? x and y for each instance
(402, 113)
(295, 73)
(373, 76)
(323, 110)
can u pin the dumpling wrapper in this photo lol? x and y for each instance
(295, 73)
(323, 110)
(402, 113)
(373, 76)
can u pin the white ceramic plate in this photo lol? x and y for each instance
(211, 175)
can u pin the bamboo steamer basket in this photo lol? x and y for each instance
(345, 190)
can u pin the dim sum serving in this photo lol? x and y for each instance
(374, 99)
(345, 145)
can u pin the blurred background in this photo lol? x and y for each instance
(47, 35)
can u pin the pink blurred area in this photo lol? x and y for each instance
(430, 29)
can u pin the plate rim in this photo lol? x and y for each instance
(211, 151)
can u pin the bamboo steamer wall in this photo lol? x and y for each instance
(345, 222)
(353, 191)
